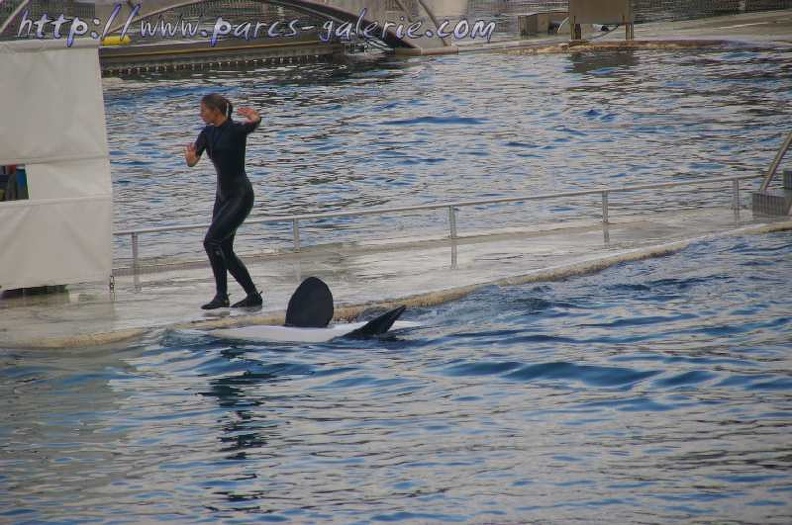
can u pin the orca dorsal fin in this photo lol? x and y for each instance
(379, 325)
(311, 305)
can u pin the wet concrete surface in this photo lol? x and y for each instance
(360, 276)
(759, 26)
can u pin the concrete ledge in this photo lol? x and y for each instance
(79, 341)
(417, 51)
(583, 46)
(758, 29)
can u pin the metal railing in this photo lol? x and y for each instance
(771, 171)
(451, 207)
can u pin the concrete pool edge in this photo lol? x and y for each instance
(347, 312)
(757, 29)
(563, 271)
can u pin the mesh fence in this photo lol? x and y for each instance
(655, 10)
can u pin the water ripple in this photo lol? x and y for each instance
(654, 391)
(395, 132)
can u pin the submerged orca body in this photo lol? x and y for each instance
(308, 320)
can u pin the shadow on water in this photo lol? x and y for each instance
(602, 63)
(244, 425)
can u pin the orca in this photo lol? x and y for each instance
(308, 317)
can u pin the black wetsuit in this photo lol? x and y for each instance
(233, 202)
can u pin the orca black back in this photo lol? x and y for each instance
(311, 305)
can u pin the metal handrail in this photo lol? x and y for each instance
(776, 161)
(451, 206)
(455, 204)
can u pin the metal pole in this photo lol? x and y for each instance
(429, 12)
(776, 161)
(452, 221)
(13, 15)
(605, 207)
(135, 259)
(296, 235)
(735, 195)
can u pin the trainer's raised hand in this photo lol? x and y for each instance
(250, 114)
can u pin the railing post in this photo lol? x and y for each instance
(452, 221)
(296, 235)
(735, 194)
(605, 219)
(135, 259)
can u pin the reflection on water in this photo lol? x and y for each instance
(241, 429)
(655, 391)
(389, 132)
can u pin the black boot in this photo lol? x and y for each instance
(253, 300)
(219, 301)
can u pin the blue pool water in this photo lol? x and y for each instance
(398, 132)
(651, 392)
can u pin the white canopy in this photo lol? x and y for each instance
(52, 120)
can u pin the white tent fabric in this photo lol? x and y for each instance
(52, 120)
(69, 178)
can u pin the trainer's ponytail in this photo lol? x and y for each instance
(229, 108)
